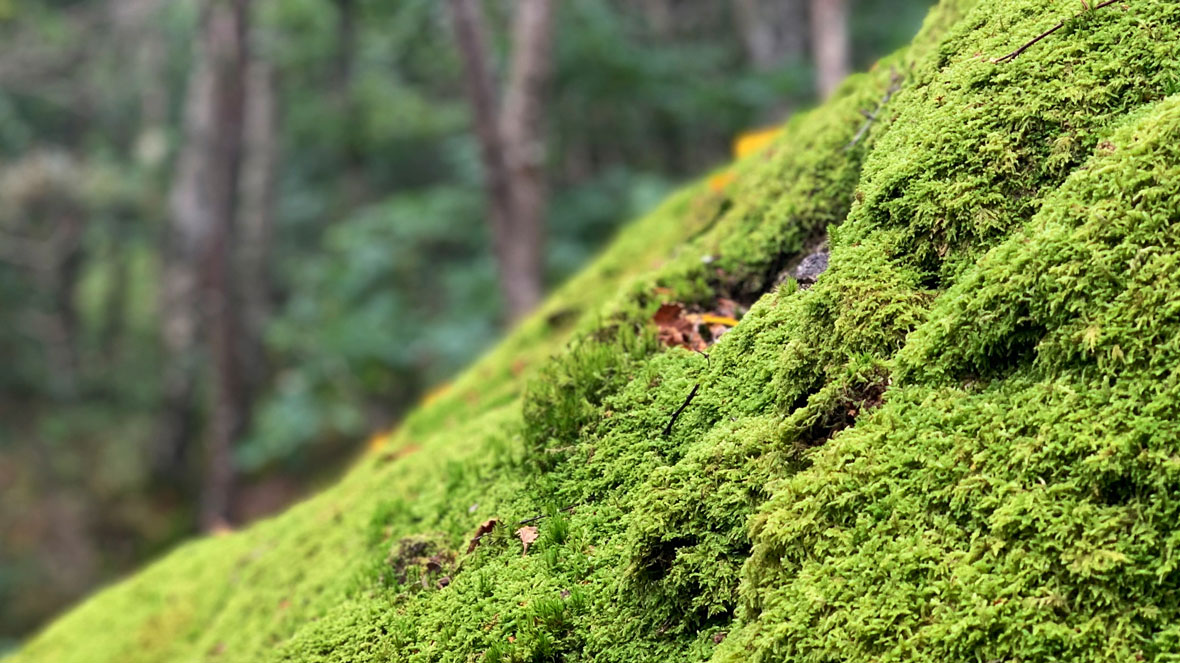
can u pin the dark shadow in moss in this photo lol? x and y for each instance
(853, 401)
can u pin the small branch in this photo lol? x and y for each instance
(894, 85)
(1014, 54)
(545, 515)
(691, 395)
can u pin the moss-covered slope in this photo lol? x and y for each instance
(961, 443)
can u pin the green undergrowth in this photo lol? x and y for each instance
(959, 443)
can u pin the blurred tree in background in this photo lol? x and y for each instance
(247, 233)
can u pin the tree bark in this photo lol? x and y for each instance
(829, 44)
(259, 171)
(226, 37)
(773, 31)
(523, 127)
(204, 209)
(181, 327)
(511, 141)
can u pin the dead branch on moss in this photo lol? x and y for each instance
(692, 394)
(894, 85)
(545, 515)
(1014, 54)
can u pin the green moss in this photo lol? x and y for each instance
(958, 444)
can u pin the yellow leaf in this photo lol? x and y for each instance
(753, 141)
(435, 393)
(721, 180)
(378, 440)
(710, 319)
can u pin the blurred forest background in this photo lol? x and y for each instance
(237, 237)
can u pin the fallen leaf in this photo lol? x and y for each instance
(398, 453)
(667, 314)
(378, 440)
(527, 536)
(221, 529)
(484, 528)
(753, 141)
(710, 319)
(436, 393)
(694, 331)
(719, 182)
(675, 329)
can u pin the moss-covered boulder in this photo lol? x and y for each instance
(960, 442)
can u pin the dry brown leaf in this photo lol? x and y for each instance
(676, 329)
(695, 331)
(527, 536)
(484, 528)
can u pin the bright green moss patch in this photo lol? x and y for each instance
(962, 442)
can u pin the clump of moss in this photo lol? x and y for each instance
(958, 443)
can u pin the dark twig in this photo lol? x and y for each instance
(894, 85)
(1014, 54)
(691, 394)
(544, 515)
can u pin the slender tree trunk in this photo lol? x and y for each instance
(67, 268)
(356, 189)
(180, 302)
(829, 43)
(523, 126)
(226, 36)
(471, 38)
(511, 141)
(199, 288)
(259, 169)
(773, 31)
(345, 47)
(659, 15)
(114, 307)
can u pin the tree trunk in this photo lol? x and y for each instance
(205, 205)
(259, 169)
(773, 31)
(523, 125)
(226, 37)
(829, 44)
(180, 305)
(511, 141)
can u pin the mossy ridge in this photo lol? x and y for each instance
(1029, 516)
(894, 531)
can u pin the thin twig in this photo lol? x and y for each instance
(894, 85)
(1014, 54)
(691, 394)
(544, 515)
